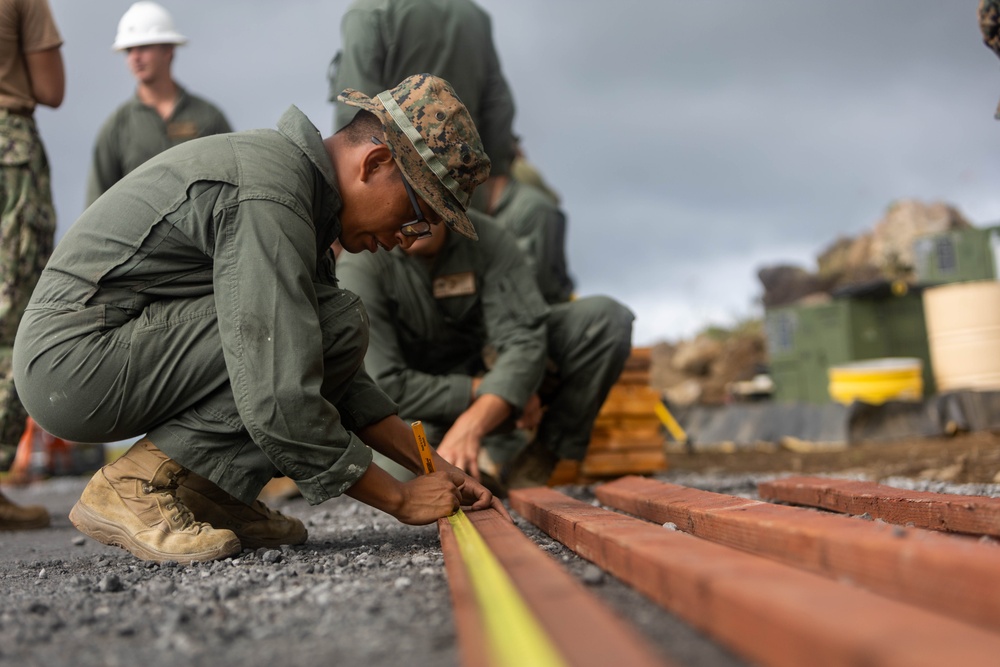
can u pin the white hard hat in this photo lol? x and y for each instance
(146, 23)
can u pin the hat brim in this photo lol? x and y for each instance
(414, 169)
(172, 38)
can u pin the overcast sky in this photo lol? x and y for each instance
(692, 142)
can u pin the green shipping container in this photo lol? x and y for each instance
(957, 256)
(804, 341)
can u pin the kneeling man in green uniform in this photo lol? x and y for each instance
(462, 339)
(196, 303)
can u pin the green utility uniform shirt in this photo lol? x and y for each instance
(242, 222)
(385, 41)
(540, 229)
(429, 324)
(135, 132)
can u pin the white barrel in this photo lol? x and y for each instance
(963, 331)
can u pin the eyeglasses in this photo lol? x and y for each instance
(419, 227)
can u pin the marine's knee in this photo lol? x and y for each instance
(605, 318)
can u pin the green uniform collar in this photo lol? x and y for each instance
(179, 103)
(300, 131)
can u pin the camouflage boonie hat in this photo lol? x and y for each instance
(434, 142)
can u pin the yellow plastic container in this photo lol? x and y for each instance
(876, 381)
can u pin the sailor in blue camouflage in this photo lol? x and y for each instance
(27, 231)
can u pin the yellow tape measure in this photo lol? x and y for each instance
(516, 639)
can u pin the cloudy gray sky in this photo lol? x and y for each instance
(692, 142)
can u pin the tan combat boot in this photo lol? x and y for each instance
(132, 503)
(256, 525)
(21, 517)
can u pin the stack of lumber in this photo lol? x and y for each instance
(782, 586)
(627, 438)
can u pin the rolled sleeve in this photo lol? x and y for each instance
(340, 477)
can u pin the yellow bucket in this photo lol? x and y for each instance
(876, 381)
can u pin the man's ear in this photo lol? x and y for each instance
(378, 157)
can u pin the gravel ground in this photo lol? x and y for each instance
(363, 590)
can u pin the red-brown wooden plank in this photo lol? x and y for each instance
(945, 574)
(976, 515)
(582, 629)
(770, 613)
(473, 648)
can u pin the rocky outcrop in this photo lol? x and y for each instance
(884, 253)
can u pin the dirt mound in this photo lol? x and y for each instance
(704, 370)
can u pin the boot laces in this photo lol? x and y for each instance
(183, 516)
(180, 514)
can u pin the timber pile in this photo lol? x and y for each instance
(627, 438)
(941, 573)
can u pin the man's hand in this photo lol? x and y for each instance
(460, 447)
(478, 497)
(475, 496)
(422, 500)
(427, 498)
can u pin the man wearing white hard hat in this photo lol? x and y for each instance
(161, 114)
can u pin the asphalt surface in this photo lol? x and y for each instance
(363, 590)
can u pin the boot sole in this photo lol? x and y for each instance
(92, 524)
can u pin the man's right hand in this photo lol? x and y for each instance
(460, 445)
(422, 500)
(427, 498)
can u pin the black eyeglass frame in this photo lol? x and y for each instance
(418, 228)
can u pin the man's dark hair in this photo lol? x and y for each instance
(362, 128)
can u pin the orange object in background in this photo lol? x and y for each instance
(57, 452)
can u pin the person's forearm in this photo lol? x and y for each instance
(393, 438)
(47, 76)
(486, 413)
(378, 489)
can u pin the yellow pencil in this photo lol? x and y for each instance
(423, 446)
